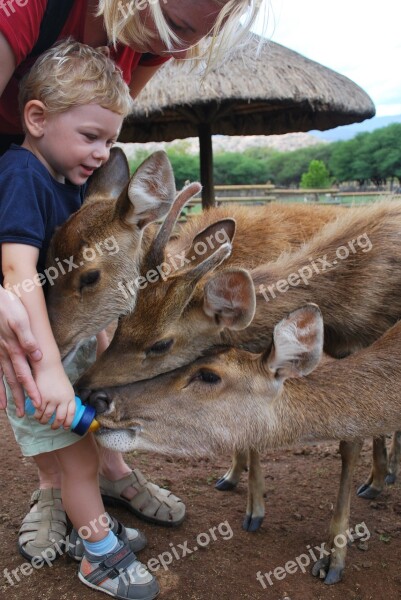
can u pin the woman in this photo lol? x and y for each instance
(141, 37)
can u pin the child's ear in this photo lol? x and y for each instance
(35, 117)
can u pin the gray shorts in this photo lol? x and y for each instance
(35, 438)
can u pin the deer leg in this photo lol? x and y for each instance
(375, 483)
(255, 509)
(394, 458)
(230, 480)
(332, 558)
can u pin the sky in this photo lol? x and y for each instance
(358, 38)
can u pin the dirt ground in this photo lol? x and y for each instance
(301, 487)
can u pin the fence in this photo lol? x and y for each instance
(262, 194)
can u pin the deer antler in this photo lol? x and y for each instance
(156, 253)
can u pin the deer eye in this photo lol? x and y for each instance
(160, 347)
(206, 376)
(89, 278)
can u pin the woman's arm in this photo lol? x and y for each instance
(7, 63)
(19, 270)
(16, 343)
(16, 338)
(140, 78)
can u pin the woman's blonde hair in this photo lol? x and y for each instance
(122, 26)
(73, 74)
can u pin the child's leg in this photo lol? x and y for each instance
(48, 470)
(82, 501)
(108, 564)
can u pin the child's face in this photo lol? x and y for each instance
(78, 141)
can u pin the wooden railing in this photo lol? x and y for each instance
(262, 194)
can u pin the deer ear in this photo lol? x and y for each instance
(219, 232)
(151, 192)
(229, 298)
(298, 343)
(111, 179)
(205, 244)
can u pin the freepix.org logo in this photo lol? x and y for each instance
(174, 263)
(108, 246)
(129, 7)
(315, 266)
(9, 6)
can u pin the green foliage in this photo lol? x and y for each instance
(369, 157)
(374, 156)
(139, 157)
(238, 168)
(317, 176)
(185, 165)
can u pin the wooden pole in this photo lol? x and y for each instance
(206, 164)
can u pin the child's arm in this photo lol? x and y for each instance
(19, 271)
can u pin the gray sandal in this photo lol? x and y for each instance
(151, 503)
(43, 532)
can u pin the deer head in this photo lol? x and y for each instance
(101, 246)
(182, 314)
(171, 310)
(220, 401)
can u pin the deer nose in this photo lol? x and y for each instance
(83, 393)
(98, 399)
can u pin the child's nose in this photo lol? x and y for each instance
(101, 152)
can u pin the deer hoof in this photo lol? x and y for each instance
(225, 485)
(251, 524)
(321, 567)
(368, 492)
(334, 575)
(391, 478)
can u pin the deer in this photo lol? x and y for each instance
(359, 298)
(98, 252)
(288, 393)
(106, 242)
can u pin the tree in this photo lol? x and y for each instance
(235, 168)
(317, 176)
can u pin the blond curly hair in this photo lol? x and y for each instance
(73, 74)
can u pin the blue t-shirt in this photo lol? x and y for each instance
(32, 203)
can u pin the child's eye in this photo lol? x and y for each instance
(90, 136)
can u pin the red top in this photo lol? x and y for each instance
(20, 26)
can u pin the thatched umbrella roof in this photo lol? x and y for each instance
(275, 91)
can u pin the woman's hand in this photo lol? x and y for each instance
(16, 344)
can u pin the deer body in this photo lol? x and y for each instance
(242, 400)
(181, 412)
(358, 295)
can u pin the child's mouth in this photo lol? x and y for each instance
(88, 170)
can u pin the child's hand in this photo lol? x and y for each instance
(57, 396)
